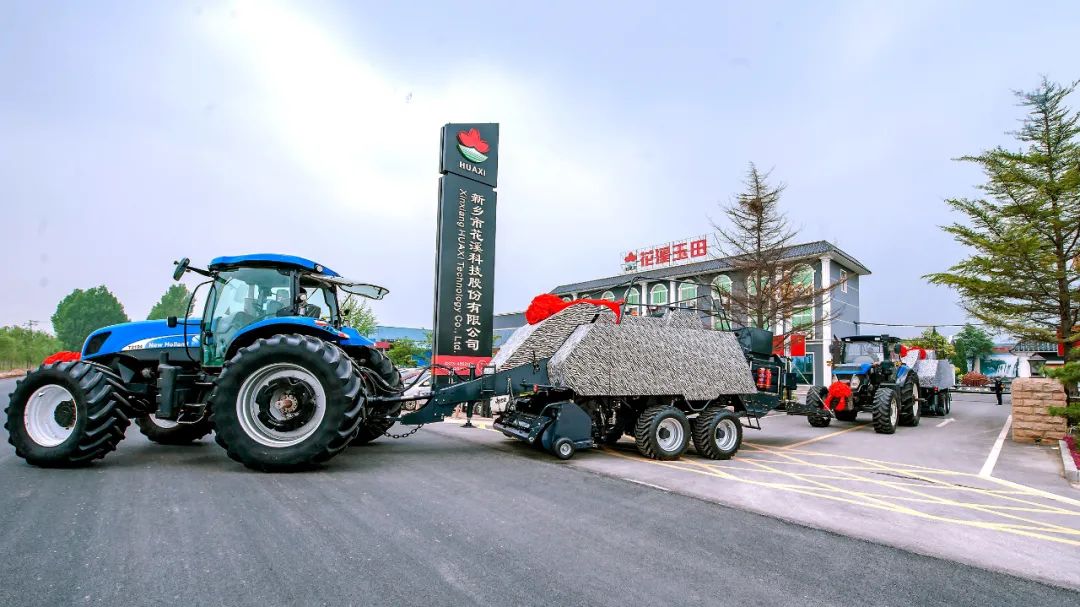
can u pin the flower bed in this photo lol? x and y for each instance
(1071, 442)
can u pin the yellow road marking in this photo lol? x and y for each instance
(823, 437)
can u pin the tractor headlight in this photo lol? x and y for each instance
(855, 382)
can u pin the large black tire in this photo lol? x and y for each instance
(662, 432)
(849, 414)
(886, 410)
(164, 432)
(378, 362)
(815, 402)
(947, 395)
(71, 432)
(258, 374)
(911, 409)
(718, 433)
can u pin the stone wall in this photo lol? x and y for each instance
(1031, 397)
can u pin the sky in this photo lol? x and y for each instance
(136, 133)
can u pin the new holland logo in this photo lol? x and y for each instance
(472, 146)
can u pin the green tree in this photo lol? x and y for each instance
(403, 353)
(21, 348)
(357, 314)
(83, 312)
(972, 343)
(932, 340)
(173, 303)
(1022, 276)
(1069, 375)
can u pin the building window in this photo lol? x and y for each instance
(687, 295)
(802, 321)
(658, 295)
(803, 279)
(566, 298)
(632, 297)
(843, 281)
(721, 302)
(754, 282)
(608, 295)
(803, 367)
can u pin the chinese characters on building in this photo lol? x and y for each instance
(665, 255)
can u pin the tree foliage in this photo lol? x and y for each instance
(82, 312)
(174, 302)
(22, 348)
(972, 343)
(403, 353)
(357, 313)
(932, 340)
(1022, 276)
(756, 242)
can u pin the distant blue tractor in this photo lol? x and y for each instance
(269, 368)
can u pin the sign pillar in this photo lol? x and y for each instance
(465, 247)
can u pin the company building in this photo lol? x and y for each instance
(681, 273)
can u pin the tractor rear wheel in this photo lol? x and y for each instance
(886, 410)
(911, 411)
(66, 414)
(815, 402)
(165, 432)
(718, 433)
(287, 402)
(662, 432)
(378, 362)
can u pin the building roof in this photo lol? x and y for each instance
(799, 251)
(395, 333)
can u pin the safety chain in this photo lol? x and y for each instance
(405, 435)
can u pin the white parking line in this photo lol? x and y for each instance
(991, 459)
(636, 482)
(950, 420)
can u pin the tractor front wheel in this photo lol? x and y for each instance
(287, 402)
(165, 432)
(66, 414)
(817, 415)
(886, 410)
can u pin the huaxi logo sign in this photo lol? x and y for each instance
(472, 146)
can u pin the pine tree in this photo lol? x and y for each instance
(1023, 274)
(756, 244)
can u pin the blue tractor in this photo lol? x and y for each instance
(872, 371)
(270, 368)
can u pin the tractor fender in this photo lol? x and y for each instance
(302, 325)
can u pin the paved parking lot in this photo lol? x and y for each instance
(920, 489)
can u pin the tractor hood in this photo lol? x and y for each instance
(851, 369)
(136, 338)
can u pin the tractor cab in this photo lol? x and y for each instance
(255, 295)
(865, 360)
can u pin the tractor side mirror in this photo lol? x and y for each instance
(896, 348)
(181, 267)
(171, 322)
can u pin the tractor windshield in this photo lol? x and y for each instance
(319, 300)
(859, 352)
(239, 298)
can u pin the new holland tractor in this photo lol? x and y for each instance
(269, 368)
(868, 375)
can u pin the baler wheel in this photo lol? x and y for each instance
(287, 402)
(165, 432)
(718, 433)
(66, 414)
(662, 432)
(563, 448)
(886, 411)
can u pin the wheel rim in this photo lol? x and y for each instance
(50, 415)
(726, 434)
(164, 424)
(915, 400)
(894, 411)
(281, 405)
(564, 449)
(669, 434)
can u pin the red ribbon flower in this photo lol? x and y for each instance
(62, 357)
(471, 139)
(546, 304)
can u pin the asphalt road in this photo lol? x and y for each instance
(430, 520)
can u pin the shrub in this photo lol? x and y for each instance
(974, 379)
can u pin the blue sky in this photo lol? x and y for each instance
(132, 134)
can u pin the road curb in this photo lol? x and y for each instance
(12, 374)
(1071, 473)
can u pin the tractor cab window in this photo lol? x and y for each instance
(319, 300)
(239, 298)
(859, 352)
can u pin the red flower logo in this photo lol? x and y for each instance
(471, 139)
(630, 257)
